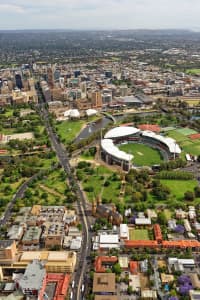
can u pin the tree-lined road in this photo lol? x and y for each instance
(81, 203)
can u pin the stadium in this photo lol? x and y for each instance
(114, 138)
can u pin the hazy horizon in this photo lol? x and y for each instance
(99, 14)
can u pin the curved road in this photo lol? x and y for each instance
(81, 203)
(19, 194)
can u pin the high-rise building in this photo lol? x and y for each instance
(56, 75)
(50, 77)
(18, 80)
(108, 74)
(123, 90)
(83, 87)
(96, 99)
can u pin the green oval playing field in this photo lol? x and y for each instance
(143, 154)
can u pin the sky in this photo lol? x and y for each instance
(99, 14)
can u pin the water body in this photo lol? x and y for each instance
(100, 124)
(94, 127)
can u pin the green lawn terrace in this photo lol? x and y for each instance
(68, 130)
(143, 155)
(182, 137)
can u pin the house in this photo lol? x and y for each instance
(180, 214)
(124, 231)
(151, 214)
(148, 294)
(166, 278)
(134, 282)
(143, 221)
(172, 224)
(187, 225)
(195, 280)
(194, 295)
(134, 267)
(144, 266)
(123, 262)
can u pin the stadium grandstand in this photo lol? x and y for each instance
(111, 154)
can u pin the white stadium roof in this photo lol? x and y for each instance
(109, 147)
(120, 132)
(169, 142)
(73, 113)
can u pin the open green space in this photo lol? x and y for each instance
(138, 234)
(51, 189)
(68, 130)
(187, 145)
(179, 187)
(186, 131)
(193, 71)
(143, 154)
(100, 181)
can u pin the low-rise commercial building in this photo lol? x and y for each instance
(34, 279)
(104, 283)
(55, 261)
(8, 251)
(32, 236)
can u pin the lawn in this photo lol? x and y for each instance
(109, 193)
(143, 154)
(193, 71)
(55, 182)
(186, 131)
(187, 145)
(68, 130)
(179, 187)
(138, 234)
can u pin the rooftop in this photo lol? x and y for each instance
(33, 276)
(104, 282)
(110, 148)
(121, 131)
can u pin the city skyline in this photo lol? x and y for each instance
(96, 14)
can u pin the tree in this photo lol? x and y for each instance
(162, 219)
(79, 226)
(116, 269)
(129, 290)
(197, 191)
(189, 196)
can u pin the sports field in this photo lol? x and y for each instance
(182, 137)
(138, 234)
(143, 154)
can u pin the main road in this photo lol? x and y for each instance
(81, 203)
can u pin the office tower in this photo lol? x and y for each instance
(18, 81)
(50, 77)
(96, 99)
